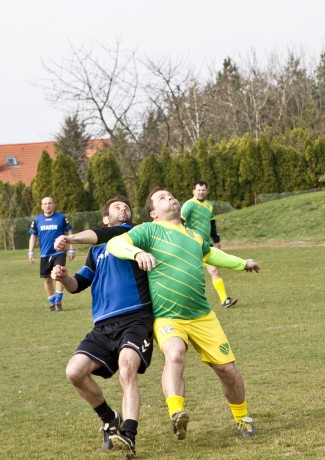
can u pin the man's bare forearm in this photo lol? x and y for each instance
(85, 237)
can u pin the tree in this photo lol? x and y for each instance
(15, 204)
(42, 184)
(104, 179)
(72, 141)
(150, 176)
(166, 164)
(319, 92)
(294, 89)
(205, 165)
(128, 158)
(175, 102)
(67, 188)
(102, 90)
(189, 166)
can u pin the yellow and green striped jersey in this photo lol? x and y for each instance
(177, 283)
(197, 216)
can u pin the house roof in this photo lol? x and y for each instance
(27, 157)
(18, 162)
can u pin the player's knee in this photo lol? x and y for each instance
(175, 356)
(128, 375)
(228, 370)
(74, 374)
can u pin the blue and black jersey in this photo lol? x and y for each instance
(118, 286)
(47, 229)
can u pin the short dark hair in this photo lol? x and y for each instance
(121, 198)
(200, 182)
(148, 206)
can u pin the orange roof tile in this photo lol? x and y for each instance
(28, 156)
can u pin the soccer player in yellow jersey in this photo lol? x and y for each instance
(197, 213)
(173, 254)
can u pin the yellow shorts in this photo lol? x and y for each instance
(205, 334)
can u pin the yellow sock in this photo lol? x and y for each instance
(175, 404)
(219, 286)
(239, 411)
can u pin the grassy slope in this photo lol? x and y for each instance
(294, 219)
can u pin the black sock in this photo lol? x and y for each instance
(105, 413)
(130, 429)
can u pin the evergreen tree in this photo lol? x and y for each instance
(166, 163)
(319, 161)
(268, 182)
(249, 169)
(23, 200)
(291, 168)
(42, 184)
(104, 179)
(67, 188)
(190, 168)
(205, 166)
(128, 159)
(227, 166)
(177, 177)
(150, 176)
(72, 141)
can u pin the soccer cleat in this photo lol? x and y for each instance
(52, 307)
(58, 306)
(123, 443)
(180, 420)
(229, 302)
(246, 427)
(109, 429)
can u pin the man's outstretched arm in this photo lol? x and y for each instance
(91, 236)
(221, 259)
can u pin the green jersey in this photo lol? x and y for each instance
(197, 216)
(177, 283)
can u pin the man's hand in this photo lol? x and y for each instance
(252, 265)
(59, 273)
(71, 254)
(146, 261)
(60, 243)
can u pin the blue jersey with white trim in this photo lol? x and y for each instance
(47, 229)
(118, 286)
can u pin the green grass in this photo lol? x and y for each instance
(276, 331)
(294, 219)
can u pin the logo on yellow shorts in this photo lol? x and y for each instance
(224, 348)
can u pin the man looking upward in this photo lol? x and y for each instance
(172, 255)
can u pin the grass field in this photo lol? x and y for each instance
(276, 331)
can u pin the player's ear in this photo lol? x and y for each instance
(105, 220)
(153, 214)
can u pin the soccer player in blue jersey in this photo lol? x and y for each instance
(122, 335)
(197, 213)
(47, 227)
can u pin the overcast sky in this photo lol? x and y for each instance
(198, 31)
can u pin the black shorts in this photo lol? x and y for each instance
(47, 263)
(104, 343)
